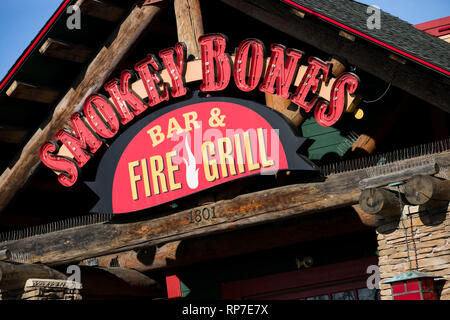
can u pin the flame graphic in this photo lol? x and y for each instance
(191, 171)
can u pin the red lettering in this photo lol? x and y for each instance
(148, 71)
(279, 73)
(124, 98)
(77, 144)
(327, 114)
(310, 83)
(176, 68)
(243, 81)
(68, 168)
(101, 115)
(214, 59)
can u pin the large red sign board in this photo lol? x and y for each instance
(192, 146)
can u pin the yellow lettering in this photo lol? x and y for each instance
(239, 155)
(145, 175)
(171, 168)
(210, 176)
(172, 126)
(133, 178)
(225, 151)
(190, 118)
(156, 168)
(248, 153)
(156, 135)
(262, 149)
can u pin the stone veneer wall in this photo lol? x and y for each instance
(428, 233)
(45, 289)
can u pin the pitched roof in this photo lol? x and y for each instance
(395, 34)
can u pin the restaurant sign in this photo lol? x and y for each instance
(192, 146)
(202, 142)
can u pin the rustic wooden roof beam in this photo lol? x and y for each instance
(12, 135)
(101, 9)
(76, 244)
(27, 91)
(65, 51)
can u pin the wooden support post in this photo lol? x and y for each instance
(113, 281)
(93, 79)
(380, 201)
(427, 191)
(26, 91)
(14, 276)
(65, 51)
(189, 24)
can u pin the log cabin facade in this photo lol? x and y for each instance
(361, 197)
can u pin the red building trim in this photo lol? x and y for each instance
(391, 48)
(437, 28)
(34, 43)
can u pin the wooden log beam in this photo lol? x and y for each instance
(92, 80)
(414, 79)
(101, 9)
(380, 201)
(65, 51)
(218, 246)
(189, 24)
(14, 276)
(12, 135)
(113, 281)
(427, 191)
(30, 92)
(5, 255)
(73, 245)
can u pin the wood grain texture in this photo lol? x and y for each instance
(14, 276)
(233, 243)
(189, 24)
(101, 9)
(91, 80)
(65, 51)
(246, 210)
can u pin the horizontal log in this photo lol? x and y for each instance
(101, 9)
(381, 202)
(14, 276)
(73, 245)
(112, 281)
(427, 191)
(224, 245)
(65, 51)
(26, 91)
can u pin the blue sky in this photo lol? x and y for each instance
(21, 20)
